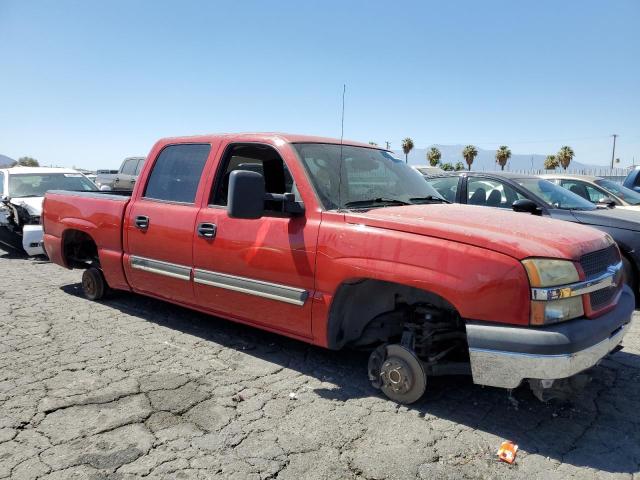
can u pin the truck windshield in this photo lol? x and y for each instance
(554, 195)
(365, 178)
(37, 184)
(630, 196)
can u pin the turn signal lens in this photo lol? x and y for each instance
(544, 272)
(554, 311)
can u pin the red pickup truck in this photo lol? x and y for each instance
(343, 245)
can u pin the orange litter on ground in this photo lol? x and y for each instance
(507, 452)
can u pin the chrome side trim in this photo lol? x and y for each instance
(159, 267)
(273, 291)
(508, 369)
(608, 279)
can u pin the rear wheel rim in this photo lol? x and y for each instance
(89, 285)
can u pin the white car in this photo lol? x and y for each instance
(22, 190)
(598, 190)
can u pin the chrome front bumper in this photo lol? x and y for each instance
(554, 353)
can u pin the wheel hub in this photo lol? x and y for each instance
(398, 373)
(396, 376)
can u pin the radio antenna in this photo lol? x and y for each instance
(344, 91)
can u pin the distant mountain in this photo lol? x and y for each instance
(486, 159)
(6, 161)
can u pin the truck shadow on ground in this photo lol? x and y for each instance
(598, 428)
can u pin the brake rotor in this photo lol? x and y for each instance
(402, 377)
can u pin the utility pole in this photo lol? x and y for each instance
(388, 144)
(613, 152)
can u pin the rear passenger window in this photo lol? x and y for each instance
(176, 173)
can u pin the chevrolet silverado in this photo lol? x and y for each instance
(342, 245)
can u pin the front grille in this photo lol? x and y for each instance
(596, 263)
(601, 298)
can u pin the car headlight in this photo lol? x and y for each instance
(542, 273)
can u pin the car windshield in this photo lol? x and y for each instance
(630, 196)
(554, 195)
(368, 177)
(36, 184)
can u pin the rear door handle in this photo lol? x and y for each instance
(142, 222)
(207, 230)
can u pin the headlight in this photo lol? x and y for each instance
(543, 272)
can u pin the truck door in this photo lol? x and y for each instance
(160, 220)
(258, 271)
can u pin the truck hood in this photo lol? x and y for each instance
(614, 218)
(33, 205)
(516, 234)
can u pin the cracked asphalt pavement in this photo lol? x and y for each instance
(134, 387)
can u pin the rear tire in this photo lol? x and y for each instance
(94, 285)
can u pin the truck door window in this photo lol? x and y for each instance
(176, 173)
(491, 193)
(256, 158)
(129, 167)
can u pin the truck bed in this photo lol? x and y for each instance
(97, 214)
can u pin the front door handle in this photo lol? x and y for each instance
(142, 222)
(207, 230)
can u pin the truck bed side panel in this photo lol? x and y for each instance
(98, 215)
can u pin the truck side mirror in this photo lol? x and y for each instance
(5, 199)
(526, 205)
(246, 195)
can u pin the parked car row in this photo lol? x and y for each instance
(543, 197)
(22, 191)
(342, 245)
(122, 179)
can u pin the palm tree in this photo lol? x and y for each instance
(434, 156)
(407, 146)
(565, 155)
(469, 153)
(458, 166)
(447, 167)
(503, 154)
(551, 162)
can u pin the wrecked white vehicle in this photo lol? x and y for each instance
(21, 192)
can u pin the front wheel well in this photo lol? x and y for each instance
(366, 313)
(79, 250)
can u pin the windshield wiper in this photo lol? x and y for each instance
(429, 199)
(374, 202)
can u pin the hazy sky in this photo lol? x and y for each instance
(87, 83)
